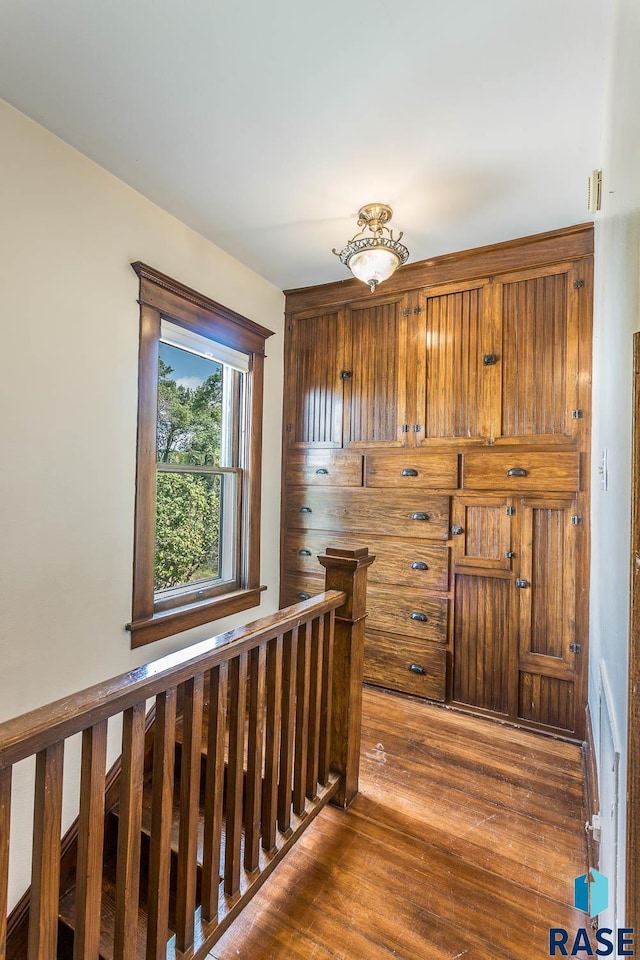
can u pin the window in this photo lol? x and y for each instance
(197, 528)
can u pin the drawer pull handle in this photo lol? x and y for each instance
(517, 472)
(419, 516)
(523, 584)
(322, 471)
(409, 472)
(304, 553)
(419, 565)
(456, 530)
(510, 554)
(421, 617)
(303, 596)
(306, 510)
(416, 668)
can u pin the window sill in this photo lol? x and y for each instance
(168, 622)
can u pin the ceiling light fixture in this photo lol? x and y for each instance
(373, 258)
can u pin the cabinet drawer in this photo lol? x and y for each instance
(324, 468)
(410, 470)
(421, 563)
(297, 587)
(388, 661)
(522, 471)
(407, 612)
(416, 514)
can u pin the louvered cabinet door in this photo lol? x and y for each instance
(314, 379)
(549, 658)
(539, 361)
(461, 378)
(378, 370)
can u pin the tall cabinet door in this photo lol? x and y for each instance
(460, 343)
(315, 368)
(376, 388)
(539, 311)
(483, 637)
(547, 613)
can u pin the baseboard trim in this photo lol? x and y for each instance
(591, 794)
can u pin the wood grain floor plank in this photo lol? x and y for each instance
(463, 843)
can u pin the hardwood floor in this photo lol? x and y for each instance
(463, 843)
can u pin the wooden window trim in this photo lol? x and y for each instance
(160, 296)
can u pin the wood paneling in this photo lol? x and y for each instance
(317, 360)
(375, 393)
(471, 379)
(546, 700)
(455, 383)
(536, 394)
(482, 642)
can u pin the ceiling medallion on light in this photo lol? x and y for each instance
(373, 258)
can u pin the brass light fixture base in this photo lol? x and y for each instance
(374, 216)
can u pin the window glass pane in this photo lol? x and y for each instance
(190, 407)
(188, 528)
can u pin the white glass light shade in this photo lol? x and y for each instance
(374, 265)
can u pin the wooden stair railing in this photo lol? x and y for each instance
(251, 734)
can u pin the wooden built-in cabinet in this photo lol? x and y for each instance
(444, 423)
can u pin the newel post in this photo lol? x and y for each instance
(347, 570)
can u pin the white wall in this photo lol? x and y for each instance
(617, 316)
(68, 395)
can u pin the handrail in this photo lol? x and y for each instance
(277, 705)
(29, 733)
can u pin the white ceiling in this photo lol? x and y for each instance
(266, 125)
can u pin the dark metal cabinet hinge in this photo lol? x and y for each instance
(511, 511)
(289, 427)
(576, 414)
(574, 647)
(523, 584)
(405, 428)
(575, 521)
(578, 284)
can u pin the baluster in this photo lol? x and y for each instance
(5, 825)
(289, 658)
(302, 720)
(86, 941)
(325, 706)
(164, 730)
(274, 715)
(214, 790)
(45, 867)
(255, 752)
(129, 827)
(189, 812)
(235, 772)
(315, 706)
